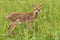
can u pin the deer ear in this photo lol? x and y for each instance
(33, 5)
(40, 4)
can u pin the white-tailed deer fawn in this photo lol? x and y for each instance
(16, 17)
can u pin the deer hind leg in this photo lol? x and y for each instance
(12, 26)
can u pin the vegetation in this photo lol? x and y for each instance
(45, 27)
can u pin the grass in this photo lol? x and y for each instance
(46, 25)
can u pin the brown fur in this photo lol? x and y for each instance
(22, 16)
(16, 17)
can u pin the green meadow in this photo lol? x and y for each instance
(45, 27)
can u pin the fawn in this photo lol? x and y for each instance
(27, 17)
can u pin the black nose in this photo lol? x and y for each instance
(36, 12)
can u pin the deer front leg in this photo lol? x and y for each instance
(29, 25)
